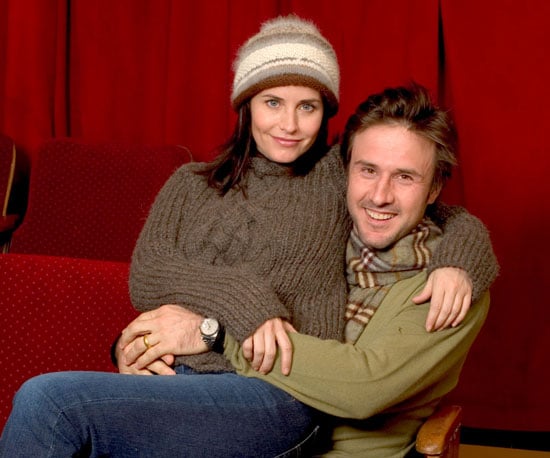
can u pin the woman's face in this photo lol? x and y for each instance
(286, 121)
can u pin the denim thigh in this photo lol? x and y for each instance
(196, 415)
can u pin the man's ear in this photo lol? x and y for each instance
(434, 193)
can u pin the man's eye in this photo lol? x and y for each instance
(404, 177)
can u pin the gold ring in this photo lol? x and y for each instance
(146, 342)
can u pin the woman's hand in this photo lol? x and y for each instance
(450, 290)
(261, 347)
(162, 366)
(150, 342)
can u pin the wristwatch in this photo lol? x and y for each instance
(212, 334)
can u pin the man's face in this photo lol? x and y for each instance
(389, 183)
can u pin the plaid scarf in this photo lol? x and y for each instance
(371, 273)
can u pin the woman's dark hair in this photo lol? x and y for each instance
(230, 167)
(412, 108)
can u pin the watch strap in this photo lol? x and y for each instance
(218, 345)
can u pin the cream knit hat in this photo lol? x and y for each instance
(286, 51)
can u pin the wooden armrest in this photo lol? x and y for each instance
(439, 430)
(8, 222)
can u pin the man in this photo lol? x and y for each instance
(391, 374)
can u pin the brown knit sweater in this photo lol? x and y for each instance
(277, 253)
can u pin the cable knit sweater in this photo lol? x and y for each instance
(277, 252)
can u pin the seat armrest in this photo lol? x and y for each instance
(440, 432)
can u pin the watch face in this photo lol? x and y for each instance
(209, 326)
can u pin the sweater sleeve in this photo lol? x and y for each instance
(465, 244)
(161, 273)
(390, 363)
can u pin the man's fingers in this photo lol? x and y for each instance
(280, 343)
(268, 359)
(248, 348)
(288, 327)
(285, 347)
(259, 350)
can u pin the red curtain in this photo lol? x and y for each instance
(159, 71)
(33, 68)
(497, 72)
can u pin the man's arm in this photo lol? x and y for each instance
(394, 359)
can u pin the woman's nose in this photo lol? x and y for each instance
(288, 121)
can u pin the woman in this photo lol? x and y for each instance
(257, 236)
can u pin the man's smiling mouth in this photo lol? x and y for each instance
(379, 216)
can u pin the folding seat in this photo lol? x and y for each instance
(64, 282)
(90, 200)
(58, 313)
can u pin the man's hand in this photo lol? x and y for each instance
(261, 347)
(150, 342)
(450, 289)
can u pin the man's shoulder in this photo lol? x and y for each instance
(400, 295)
(409, 287)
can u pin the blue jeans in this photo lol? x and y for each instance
(196, 415)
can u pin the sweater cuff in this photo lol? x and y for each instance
(239, 299)
(466, 244)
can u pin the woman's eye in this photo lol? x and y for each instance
(308, 107)
(273, 103)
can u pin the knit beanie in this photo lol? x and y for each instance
(286, 51)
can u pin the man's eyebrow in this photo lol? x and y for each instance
(364, 163)
(409, 172)
(399, 171)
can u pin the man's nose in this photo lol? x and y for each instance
(382, 193)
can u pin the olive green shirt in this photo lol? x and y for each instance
(385, 385)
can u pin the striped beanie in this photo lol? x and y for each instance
(286, 51)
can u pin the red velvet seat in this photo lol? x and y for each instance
(64, 283)
(90, 200)
(58, 313)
